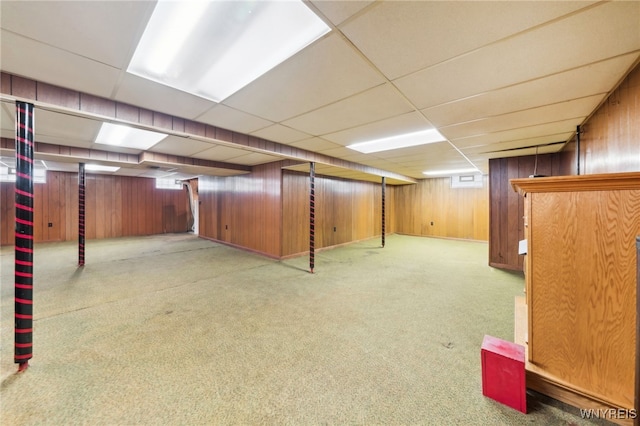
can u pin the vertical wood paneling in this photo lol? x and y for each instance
(506, 207)
(56, 212)
(295, 212)
(432, 208)
(610, 141)
(113, 208)
(352, 208)
(90, 206)
(100, 216)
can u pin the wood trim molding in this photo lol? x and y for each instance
(596, 182)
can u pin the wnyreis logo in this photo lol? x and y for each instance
(608, 413)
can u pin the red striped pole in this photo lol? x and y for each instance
(24, 236)
(384, 185)
(312, 216)
(81, 187)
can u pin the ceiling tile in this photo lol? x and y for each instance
(578, 108)
(435, 31)
(51, 123)
(587, 37)
(415, 153)
(338, 11)
(220, 153)
(145, 93)
(232, 119)
(254, 158)
(315, 144)
(280, 133)
(375, 104)
(105, 33)
(405, 123)
(55, 66)
(325, 72)
(529, 132)
(556, 140)
(592, 79)
(176, 145)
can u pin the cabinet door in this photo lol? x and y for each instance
(582, 291)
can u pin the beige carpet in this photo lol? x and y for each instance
(178, 330)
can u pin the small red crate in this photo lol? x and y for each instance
(503, 373)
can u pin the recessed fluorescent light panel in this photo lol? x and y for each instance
(100, 168)
(450, 172)
(422, 137)
(214, 48)
(127, 137)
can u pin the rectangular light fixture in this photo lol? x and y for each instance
(422, 137)
(214, 48)
(128, 137)
(100, 168)
(451, 172)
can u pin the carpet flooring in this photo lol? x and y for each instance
(177, 330)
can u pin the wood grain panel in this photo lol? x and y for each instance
(581, 311)
(432, 208)
(506, 208)
(58, 96)
(295, 212)
(115, 206)
(55, 211)
(611, 139)
(245, 210)
(582, 258)
(352, 208)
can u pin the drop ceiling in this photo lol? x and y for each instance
(497, 79)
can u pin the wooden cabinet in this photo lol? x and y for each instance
(581, 289)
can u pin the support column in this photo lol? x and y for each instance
(384, 187)
(24, 236)
(312, 216)
(81, 188)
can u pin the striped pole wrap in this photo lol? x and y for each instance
(384, 187)
(312, 216)
(81, 187)
(24, 235)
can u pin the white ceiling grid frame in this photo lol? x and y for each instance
(567, 85)
(327, 71)
(527, 56)
(466, 26)
(575, 108)
(374, 104)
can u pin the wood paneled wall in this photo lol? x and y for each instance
(432, 208)
(116, 206)
(506, 207)
(243, 210)
(345, 211)
(610, 141)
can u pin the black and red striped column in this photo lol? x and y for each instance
(312, 216)
(24, 236)
(81, 188)
(384, 187)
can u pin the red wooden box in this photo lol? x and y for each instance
(503, 373)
